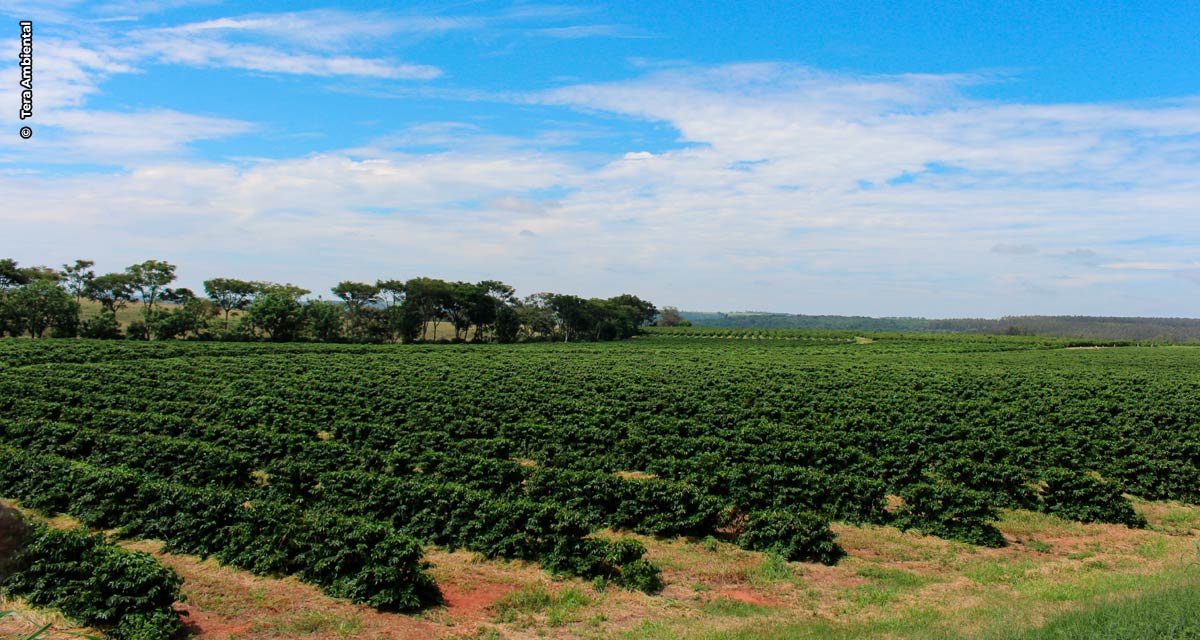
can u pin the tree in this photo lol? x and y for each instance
(487, 300)
(358, 296)
(508, 324)
(102, 326)
(190, 315)
(288, 289)
(429, 296)
(277, 313)
(229, 294)
(111, 290)
(42, 304)
(150, 280)
(536, 316)
(11, 275)
(571, 313)
(457, 304)
(77, 277)
(323, 320)
(669, 317)
(392, 293)
(641, 312)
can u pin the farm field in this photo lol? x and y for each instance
(688, 483)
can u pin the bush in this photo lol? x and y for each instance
(619, 561)
(641, 575)
(126, 594)
(366, 562)
(951, 512)
(802, 536)
(103, 327)
(137, 330)
(1078, 495)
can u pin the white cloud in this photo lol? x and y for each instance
(120, 138)
(794, 190)
(328, 28)
(1152, 266)
(574, 32)
(195, 51)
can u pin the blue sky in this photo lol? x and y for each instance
(934, 159)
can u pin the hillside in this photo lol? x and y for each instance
(1111, 328)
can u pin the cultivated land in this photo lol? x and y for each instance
(710, 449)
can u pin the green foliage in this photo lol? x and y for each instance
(792, 535)
(39, 305)
(526, 451)
(137, 330)
(228, 294)
(127, 594)
(1173, 614)
(278, 314)
(1078, 495)
(150, 280)
(323, 320)
(358, 298)
(102, 326)
(951, 512)
(111, 290)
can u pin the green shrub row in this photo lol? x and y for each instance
(126, 594)
(349, 557)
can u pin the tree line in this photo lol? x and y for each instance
(40, 302)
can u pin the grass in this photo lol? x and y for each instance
(774, 568)
(885, 585)
(900, 585)
(310, 622)
(735, 608)
(1172, 614)
(535, 603)
(1056, 579)
(998, 571)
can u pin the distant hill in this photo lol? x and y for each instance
(763, 320)
(1115, 328)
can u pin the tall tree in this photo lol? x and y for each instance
(358, 297)
(190, 315)
(669, 317)
(278, 314)
(11, 275)
(77, 276)
(150, 279)
(111, 290)
(393, 293)
(428, 295)
(229, 294)
(487, 300)
(43, 304)
(323, 320)
(537, 317)
(642, 312)
(457, 303)
(287, 289)
(571, 312)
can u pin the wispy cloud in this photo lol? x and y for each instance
(205, 52)
(327, 28)
(574, 32)
(1014, 249)
(1153, 266)
(309, 42)
(784, 184)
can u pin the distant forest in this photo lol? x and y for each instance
(1115, 328)
(35, 301)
